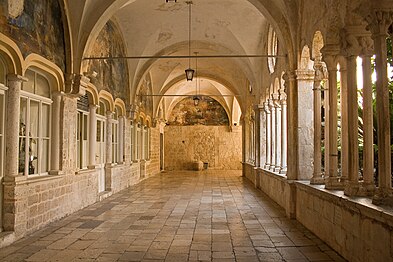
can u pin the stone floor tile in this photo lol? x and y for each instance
(177, 216)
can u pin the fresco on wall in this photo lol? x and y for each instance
(144, 99)
(209, 112)
(109, 75)
(36, 27)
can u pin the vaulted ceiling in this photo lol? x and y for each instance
(155, 28)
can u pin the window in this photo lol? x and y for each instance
(82, 132)
(35, 125)
(115, 137)
(132, 146)
(272, 49)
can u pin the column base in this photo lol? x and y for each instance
(333, 183)
(354, 188)
(319, 180)
(383, 196)
(283, 170)
(277, 169)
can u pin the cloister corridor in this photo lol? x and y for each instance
(208, 215)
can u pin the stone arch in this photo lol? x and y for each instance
(107, 98)
(11, 55)
(317, 45)
(47, 67)
(305, 62)
(120, 103)
(93, 94)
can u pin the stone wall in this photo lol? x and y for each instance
(355, 228)
(213, 144)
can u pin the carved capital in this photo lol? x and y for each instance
(355, 40)
(267, 109)
(379, 21)
(320, 72)
(283, 96)
(76, 84)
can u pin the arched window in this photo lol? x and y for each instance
(272, 49)
(35, 125)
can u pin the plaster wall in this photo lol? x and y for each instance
(213, 144)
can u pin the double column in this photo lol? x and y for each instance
(268, 135)
(378, 22)
(108, 145)
(330, 58)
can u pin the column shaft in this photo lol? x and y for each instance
(273, 135)
(283, 169)
(268, 136)
(121, 139)
(12, 135)
(344, 102)
(278, 138)
(368, 133)
(55, 145)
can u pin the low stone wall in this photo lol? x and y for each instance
(355, 228)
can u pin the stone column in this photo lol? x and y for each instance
(305, 80)
(368, 128)
(283, 102)
(326, 129)
(378, 24)
(352, 155)
(273, 134)
(292, 129)
(14, 189)
(121, 139)
(55, 144)
(108, 149)
(12, 135)
(92, 136)
(317, 178)
(268, 136)
(261, 154)
(344, 120)
(332, 181)
(278, 134)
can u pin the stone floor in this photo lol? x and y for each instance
(177, 216)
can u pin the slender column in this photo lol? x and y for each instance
(278, 135)
(292, 128)
(332, 179)
(261, 135)
(273, 134)
(121, 139)
(368, 129)
(317, 178)
(12, 134)
(268, 136)
(344, 87)
(283, 101)
(352, 186)
(109, 117)
(378, 23)
(326, 129)
(55, 145)
(92, 135)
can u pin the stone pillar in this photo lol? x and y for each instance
(332, 181)
(273, 134)
(92, 136)
(121, 139)
(268, 136)
(108, 146)
(344, 120)
(292, 129)
(326, 129)
(278, 134)
(14, 188)
(305, 123)
(283, 102)
(55, 144)
(378, 24)
(317, 178)
(12, 135)
(352, 186)
(368, 128)
(261, 135)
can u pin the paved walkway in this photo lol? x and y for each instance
(176, 216)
